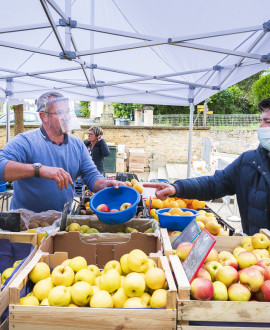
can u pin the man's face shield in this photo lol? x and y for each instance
(61, 115)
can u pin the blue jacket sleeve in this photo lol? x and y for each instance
(222, 183)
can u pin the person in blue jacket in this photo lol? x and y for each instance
(97, 147)
(248, 177)
(44, 162)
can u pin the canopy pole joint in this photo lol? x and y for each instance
(266, 26)
(71, 23)
(215, 88)
(265, 58)
(68, 55)
(217, 67)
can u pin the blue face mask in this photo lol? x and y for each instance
(264, 137)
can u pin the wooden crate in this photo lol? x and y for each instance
(216, 311)
(16, 238)
(48, 317)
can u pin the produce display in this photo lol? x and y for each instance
(85, 229)
(239, 276)
(8, 272)
(133, 282)
(208, 220)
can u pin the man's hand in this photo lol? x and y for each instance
(114, 183)
(59, 175)
(163, 190)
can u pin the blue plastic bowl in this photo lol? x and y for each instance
(3, 186)
(114, 198)
(173, 222)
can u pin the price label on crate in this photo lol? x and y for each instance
(188, 234)
(198, 254)
(63, 224)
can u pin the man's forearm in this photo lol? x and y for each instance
(99, 184)
(15, 171)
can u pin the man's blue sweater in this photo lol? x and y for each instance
(40, 194)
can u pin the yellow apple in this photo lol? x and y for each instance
(97, 281)
(113, 264)
(261, 253)
(78, 263)
(137, 261)
(248, 246)
(220, 291)
(119, 298)
(6, 274)
(238, 250)
(72, 305)
(146, 298)
(124, 264)
(245, 240)
(110, 281)
(94, 269)
(122, 281)
(42, 289)
(66, 262)
(260, 241)
(102, 299)
(159, 299)
(134, 285)
(151, 264)
(62, 275)
(29, 300)
(135, 302)
(59, 296)
(95, 288)
(155, 278)
(74, 227)
(16, 263)
(45, 302)
(39, 272)
(81, 293)
(85, 275)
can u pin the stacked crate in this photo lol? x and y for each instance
(136, 160)
(121, 162)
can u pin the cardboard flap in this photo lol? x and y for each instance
(104, 254)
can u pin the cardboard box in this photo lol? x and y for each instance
(48, 317)
(30, 238)
(244, 312)
(141, 161)
(136, 170)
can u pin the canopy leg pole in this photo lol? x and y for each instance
(8, 119)
(191, 107)
(68, 28)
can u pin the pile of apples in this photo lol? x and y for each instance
(208, 220)
(239, 276)
(8, 272)
(134, 282)
(105, 207)
(84, 229)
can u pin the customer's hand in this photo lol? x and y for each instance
(59, 175)
(163, 190)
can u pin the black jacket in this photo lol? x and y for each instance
(99, 151)
(248, 177)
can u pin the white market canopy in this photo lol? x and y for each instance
(131, 51)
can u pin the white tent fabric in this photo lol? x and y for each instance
(145, 51)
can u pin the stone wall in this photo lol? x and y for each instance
(167, 144)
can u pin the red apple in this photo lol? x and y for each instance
(246, 259)
(212, 267)
(227, 275)
(267, 273)
(202, 289)
(103, 208)
(265, 262)
(125, 206)
(259, 268)
(183, 250)
(239, 292)
(227, 259)
(252, 277)
(114, 210)
(212, 256)
(203, 273)
(265, 289)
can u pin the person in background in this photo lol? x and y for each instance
(97, 147)
(248, 177)
(44, 162)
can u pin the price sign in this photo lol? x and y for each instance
(198, 254)
(188, 234)
(63, 224)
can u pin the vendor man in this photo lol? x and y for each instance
(44, 162)
(248, 177)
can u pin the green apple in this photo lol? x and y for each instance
(220, 291)
(59, 296)
(101, 299)
(110, 281)
(39, 272)
(134, 285)
(155, 278)
(137, 261)
(119, 298)
(146, 298)
(92, 231)
(113, 264)
(94, 269)
(29, 300)
(135, 302)
(85, 275)
(6, 274)
(159, 299)
(16, 263)
(81, 293)
(78, 263)
(42, 289)
(74, 227)
(124, 264)
(45, 302)
(62, 275)
(84, 229)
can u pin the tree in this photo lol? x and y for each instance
(85, 108)
(124, 109)
(261, 87)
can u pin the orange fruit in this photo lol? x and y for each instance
(87, 204)
(152, 212)
(173, 204)
(175, 234)
(223, 233)
(166, 203)
(201, 225)
(128, 183)
(133, 181)
(187, 213)
(146, 202)
(176, 215)
(157, 203)
(166, 213)
(213, 227)
(196, 204)
(181, 203)
(138, 187)
(176, 211)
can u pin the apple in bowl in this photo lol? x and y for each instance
(103, 208)
(125, 206)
